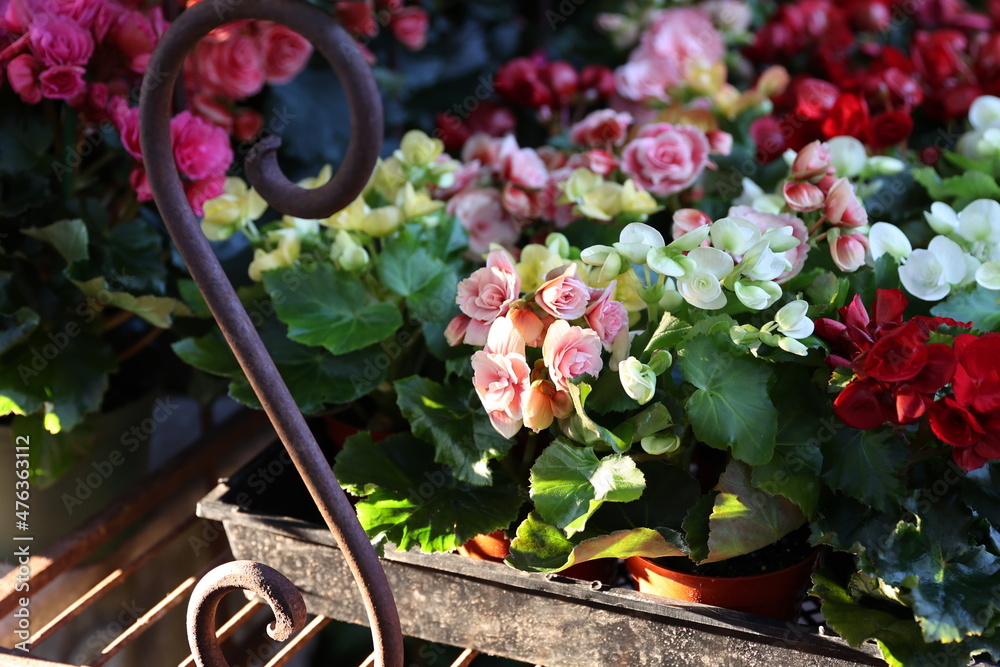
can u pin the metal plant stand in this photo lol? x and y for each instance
(267, 178)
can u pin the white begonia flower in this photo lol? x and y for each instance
(792, 320)
(781, 239)
(847, 155)
(988, 275)
(988, 143)
(883, 165)
(558, 244)
(611, 262)
(755, 197)
(942, 218)
(691, 240)
(671, 299)
(979, 222)
(757, 295)
(702, 288)
(638, 380)
(762, 263)
(669, 262)
(793, 346)
(636, 240)
(301, 226)
(733, 235)
(968, 144)
(887, 239)
(985, 112)
(929, 274)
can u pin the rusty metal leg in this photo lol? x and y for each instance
(265, 175)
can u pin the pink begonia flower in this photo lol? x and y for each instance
(233, 68)
(570, 351)
(454, 333)
(139, 182)
(560, 214)
(766, 221)
(528, 324)
(606, 316)
(685, 36)
(22, 72)
(200, 148)
(286, 52)
(477, 333)
(848, 252)
(487, 294)
(61, 41)
(665, 159)
(200, 191)
(409, 25)
(523, 206)
(803, 196)
(480, 211)
(484, 148)
(641, 80)
(126, 120)
(843, 208)
(812, 162)
(601, 128)
(501, 376)
(521, 166)
(687, 220)
(719, 142)
(62, 82)
(598, 161)
(564, 296)
(543, 404)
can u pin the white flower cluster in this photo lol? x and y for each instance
(786, 331)
(983, 142)
(966, 250)
(740, 259)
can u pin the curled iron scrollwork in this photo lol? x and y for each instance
(267, 178)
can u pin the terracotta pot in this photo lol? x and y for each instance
(776, 594)
(496, 546)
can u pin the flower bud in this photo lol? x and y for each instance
(661, 443)
(558, 244)
(793, 346)
(638, 380)
(847, 155)
(985, 112)
(661, 361)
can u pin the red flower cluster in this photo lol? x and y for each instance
(535, 83)
(363, 19)
(969, 419)
(851, 85)
(900, 376)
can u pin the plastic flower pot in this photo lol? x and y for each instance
(496, 546)
(775, 594)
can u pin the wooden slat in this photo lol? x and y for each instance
(107, 584)
(145, 622)
(293, 645)
(147, 494)
(464, 660)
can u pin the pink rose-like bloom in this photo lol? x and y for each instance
(489, 291)
(286, 52)
(482, 148)
(848, 252)
(200, 191)
(543, 404)
(766, 221)
(135, 36)
(522, 205)
(521, 166)
(233, 68)
(569, 352)
(528, 324)
(247, 124)
(560, 214)
(126, 121)
(212, 109)
(22, 72)
(812, 162)
(598, 161)
(62, 82)
(501, 376)
(481, 212)
(683, 36)
(665, 159)
(552, 157)
(409, 26)
(843, 208)
(641, 80)
(687, 220)
(140, 184)
(803, 196)
(601, 128)
(61, 41)
(607, 317)
(200, 148)
(454, 333)
(719, 142)
(565, 296)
